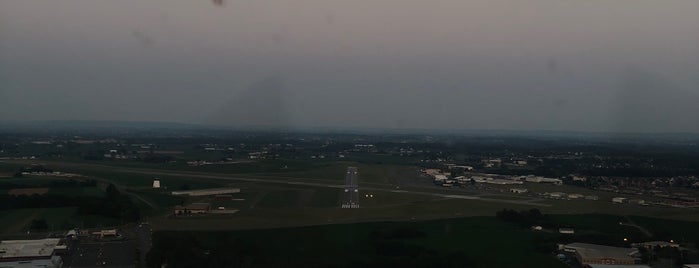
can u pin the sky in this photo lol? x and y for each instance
(567, 65)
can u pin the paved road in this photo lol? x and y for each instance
(351, 188)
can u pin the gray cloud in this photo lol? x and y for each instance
(542, 64)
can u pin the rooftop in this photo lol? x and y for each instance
(42, 248)
(601, 251)
(210, 191)
(195, 206)
(618, 266)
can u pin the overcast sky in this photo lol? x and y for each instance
(590, 65)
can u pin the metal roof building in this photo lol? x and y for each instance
(588, 254)
(29, 253)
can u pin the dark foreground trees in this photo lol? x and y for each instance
(114, 204)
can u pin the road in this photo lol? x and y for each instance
(351, 188)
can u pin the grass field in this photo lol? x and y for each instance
(680, 231)
(161, 198)
(73, 191)
(280, 199)
(28, 191)
(28, 181)
(372, 173)
(325, 198)
(294, 205)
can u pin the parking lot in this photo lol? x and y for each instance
(121, 251)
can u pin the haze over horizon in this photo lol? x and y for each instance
(602, 66)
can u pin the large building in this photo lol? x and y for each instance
(588, 254)
(618, 266)
(537, 179)
(30, 253)
(194, 208)
(210, 191)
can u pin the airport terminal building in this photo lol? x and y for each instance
(588, 254)
(30, 253)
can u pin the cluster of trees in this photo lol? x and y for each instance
(114, 204)
(383, 247)
(185, 250)
(650, 255)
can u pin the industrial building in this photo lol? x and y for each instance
(543, 180)
(30, 253)
(489, 180)
(617, 266)
(640, 202)
(619, 200)
(194, 208)
(591, 254)
(210, 191)
(566, 230)
(519, 190)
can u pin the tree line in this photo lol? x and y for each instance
(114, 204)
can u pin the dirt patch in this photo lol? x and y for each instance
(28, 191)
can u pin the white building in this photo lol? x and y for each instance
(619, 200)
(30, 253)
(440, 177)
(520, 162)
(558, 195)
(205, 192)
(578, 178)
(543, 180)
(518, 190)
(566, 230)
(591, 254)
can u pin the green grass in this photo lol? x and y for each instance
(594, 224)
(77, 191)
(680, 231)
(280, 199)
(373, 173)
(161, 198)
(325, 198)
(379, 198)
(28, 181)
